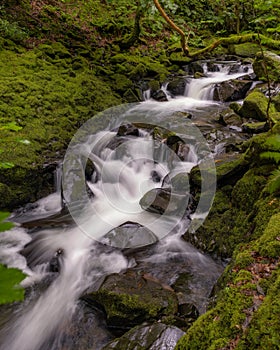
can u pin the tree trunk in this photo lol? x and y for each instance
(174, 26)
(134, 37)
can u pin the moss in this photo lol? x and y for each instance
(243, 259)
(45, 98)
(264, 330)
(269, 243)
(137, 67)
(10, 291)
(245, 50)
(267, 62)
(217, 327)
(247, 190)
(255, 106)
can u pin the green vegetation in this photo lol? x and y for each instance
(9, 277)
(63, 61)
(10, 291)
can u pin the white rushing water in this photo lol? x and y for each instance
(121, 179)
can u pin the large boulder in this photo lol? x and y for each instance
(255, 106)
(231, 90)
(131, 298)
(177, 86)
(267, 63)
(154, 337)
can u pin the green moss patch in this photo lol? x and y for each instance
(9, 280)
(43, 100)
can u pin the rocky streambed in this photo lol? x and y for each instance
(148, 293)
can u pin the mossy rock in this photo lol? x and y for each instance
(131, 299)
(138, 67)
(268, 244)
(267, 63)
(255, 128)
(247, 190)
(227, 172)
(179, 58)
(245, 50)
(255, 106)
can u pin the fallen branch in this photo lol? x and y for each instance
(238, 39)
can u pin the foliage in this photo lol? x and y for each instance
(273, 154)
(5, 225)
(12, 31)
(267, 16)
(9, 280)
(9, 277)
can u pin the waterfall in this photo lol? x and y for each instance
(121, 176)
(203, 88)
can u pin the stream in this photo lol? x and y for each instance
(97, 222)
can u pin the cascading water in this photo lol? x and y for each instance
(120, 177)
(203, 88)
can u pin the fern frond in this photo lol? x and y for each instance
(275, 156)
(273, 142)
(274, 181)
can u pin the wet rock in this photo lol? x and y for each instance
(229, 117)
(194, 67)
(179, 183)
(130, 235)
(177, 86)
(131, 298)
(155, 176)
(198, 75)
(188, 310)
(255, 128)
(267, 62)
(159, 95)
(128, 130)
(254, 106)
(228, 171)
(56, 261)
(232, 90)
(86, 329)
(153, 337)
(164, 201)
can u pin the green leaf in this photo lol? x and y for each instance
(275, 156)
(25, 142)
(10, 290)
(274, 181)
(6, 165)
(273, 142)
(6, 225)
(12, 126)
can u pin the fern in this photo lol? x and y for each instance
(274, 181)
(273, 142)
(275, 156)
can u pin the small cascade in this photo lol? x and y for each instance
(203, 88)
